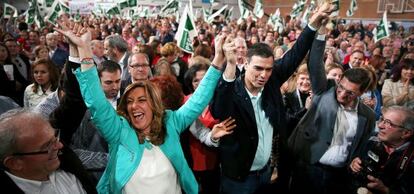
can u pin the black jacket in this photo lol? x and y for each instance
(237, 150)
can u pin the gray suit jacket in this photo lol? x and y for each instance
(313, 135)
(125, 74)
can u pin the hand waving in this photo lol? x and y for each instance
(76, 33)
(224, 128)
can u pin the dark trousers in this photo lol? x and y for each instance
(319, 179)
(254, 181)
(208, 181)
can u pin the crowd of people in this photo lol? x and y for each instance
(102, 105)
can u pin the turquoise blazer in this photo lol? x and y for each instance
(125, 152)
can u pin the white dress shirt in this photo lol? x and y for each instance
(59, 182)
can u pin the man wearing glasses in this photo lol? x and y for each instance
(139, 69)
(31, 159)
(333, 131)
(391, 151)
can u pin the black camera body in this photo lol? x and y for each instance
(373, 162)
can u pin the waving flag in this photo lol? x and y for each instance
(186, 32)
(381, 31)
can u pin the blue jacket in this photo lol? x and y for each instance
(124, 149)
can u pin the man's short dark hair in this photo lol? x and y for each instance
(358, 76)
(358, 51)
(108, 66)
(259, 49)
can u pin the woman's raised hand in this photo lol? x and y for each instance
(74, 32)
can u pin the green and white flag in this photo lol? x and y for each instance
(276, 21)
(39, 20)
(244, 11)
(170, 8)
(132, 3)
(113, 11)
(335, 11)
(77, 16)
(54, 14)
(144, 12)
(352, 8)
(206, 14)
(297, 9)
(9, 11)
(49, 3)
(122, 5)
(186, 32)
(30, 15)
(381, 31)
(229, 14)
(64, 8)
(258, 9)
(306, 15)
(217, 13)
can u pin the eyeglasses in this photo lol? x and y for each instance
(349, 93)
(388, 123)
(139, 66)
(49, 149)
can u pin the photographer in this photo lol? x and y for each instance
(387, 165)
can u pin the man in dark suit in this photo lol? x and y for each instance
(116, 49)
(333, 131)
(356, 59)
(56, 54)
(20, 61)
(255, 101)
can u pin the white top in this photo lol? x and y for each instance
(32, 99)
(59, 182)
(155, 174)
(336, 155)
(394, 89)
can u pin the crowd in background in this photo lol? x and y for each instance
(33, 61)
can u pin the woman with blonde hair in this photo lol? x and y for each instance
(163, 67)
(297, 99)
(334, 71)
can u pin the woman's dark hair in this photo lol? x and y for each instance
(154, 45)
(203, 50)
(8, 59)
(404, 64)
(191, 73)
(376, 61)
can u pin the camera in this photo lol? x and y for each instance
(411, 42)
(372, 163)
